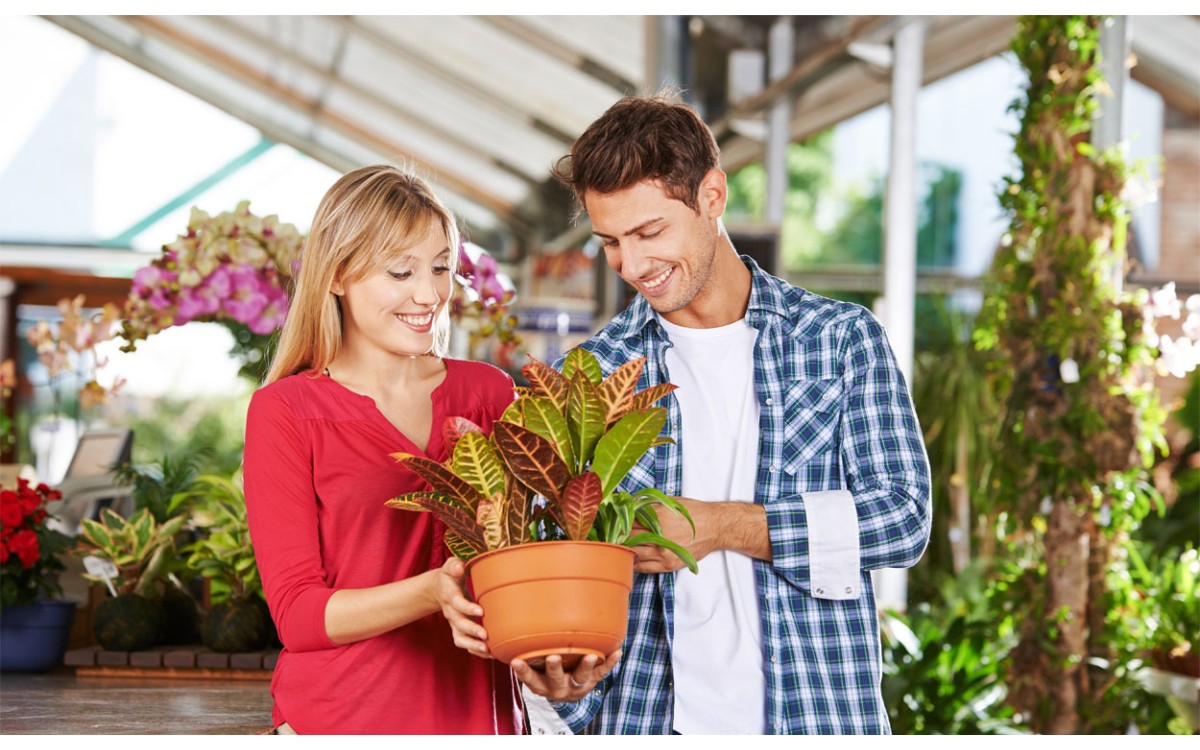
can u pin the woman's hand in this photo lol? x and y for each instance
(459, 611)
(560, 686)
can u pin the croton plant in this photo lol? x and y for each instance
(550, 469)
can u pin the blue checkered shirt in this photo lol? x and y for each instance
(835, 414)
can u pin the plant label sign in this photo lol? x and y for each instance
(101, 569)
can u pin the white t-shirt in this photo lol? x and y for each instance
(716, 655)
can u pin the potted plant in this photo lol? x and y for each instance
(238, 620)
(533, 508)
(34, 628)
(130, 556)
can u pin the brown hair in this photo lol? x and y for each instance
(656, 138)
(370, 217)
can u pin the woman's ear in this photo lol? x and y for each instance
(336, 288)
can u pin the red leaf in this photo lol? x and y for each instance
(580, 501)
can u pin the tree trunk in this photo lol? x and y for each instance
(1066, 606)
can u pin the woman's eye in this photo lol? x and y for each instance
(400, 275)
(441, 269)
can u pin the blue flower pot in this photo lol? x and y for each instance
(33, 637)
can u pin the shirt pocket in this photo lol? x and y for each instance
(812, 412)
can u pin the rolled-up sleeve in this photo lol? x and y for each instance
(887, 479)
(281, 506)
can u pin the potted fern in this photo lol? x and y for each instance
(534, 508)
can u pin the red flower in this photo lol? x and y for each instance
(24, 544)
(10, 516)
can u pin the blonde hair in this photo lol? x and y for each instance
(367, 219)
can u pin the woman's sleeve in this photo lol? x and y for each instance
(281, 506)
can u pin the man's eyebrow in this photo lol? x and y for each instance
(636, 229)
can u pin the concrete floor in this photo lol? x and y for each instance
(61, 703)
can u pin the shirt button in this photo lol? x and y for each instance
(771, 469)
(820, 592)
(770, 400)
(849, 589)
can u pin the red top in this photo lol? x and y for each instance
(317, 473)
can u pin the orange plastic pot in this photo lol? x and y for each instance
(566, 598)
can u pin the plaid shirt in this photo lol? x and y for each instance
(835, 414)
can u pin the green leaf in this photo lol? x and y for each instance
(580, 501)
(542, 417)
(585, 419)
(624, 445)
(532, 459)
(581, 360)
(454, 428)
(476, 462)
(661, 541)
(461, 548)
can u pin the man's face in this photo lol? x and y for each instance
(658, 244)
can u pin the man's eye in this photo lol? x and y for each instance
(651, 235)
(609, 242)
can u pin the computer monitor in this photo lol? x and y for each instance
(98, 450)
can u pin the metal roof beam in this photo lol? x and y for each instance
(513, 26)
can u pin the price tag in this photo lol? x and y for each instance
(101, 569)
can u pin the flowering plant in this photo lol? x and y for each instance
(482, 302)
(29, 548)
(65, 348)
(232, 266)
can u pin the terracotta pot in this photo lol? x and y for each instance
(566, 598)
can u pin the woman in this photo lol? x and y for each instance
(359, 592)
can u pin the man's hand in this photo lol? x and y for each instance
(460, 611)
(559, 686)
(741, 527)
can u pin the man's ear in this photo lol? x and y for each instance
(713, 194)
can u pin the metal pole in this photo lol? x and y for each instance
(900, 205)
(781, 54)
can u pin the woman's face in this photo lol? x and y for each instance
(393, 307)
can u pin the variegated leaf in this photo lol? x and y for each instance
(542, 417)
(455, 518)
(581, 360)
(647, 398)
(532, 459)
(662, 440)
(624, 445)
(585, 418)
(442, 480)
(461, 548)
(580, 500)
(454, 428)
(618, 388)
(515, 413)
(488, 518)
(517, 513)
(407, 501)
(476, 461)
(546, 381)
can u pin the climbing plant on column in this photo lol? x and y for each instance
(1082, 419)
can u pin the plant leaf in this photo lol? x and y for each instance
(532, 459)
(661, 541)
(454, 428)
(546, 381)
(542, 417)
(580, 501)
(618, 388)
(476, 461)
(624, 445)
(581, 360)
(647, 398)
(461, 548)
(585, 419)
(517, 512)
(442, 480)
(488, 518)
(456, 519)
(408, 501)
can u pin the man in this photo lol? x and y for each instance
(797, 453)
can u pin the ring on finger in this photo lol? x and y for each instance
(574, 684)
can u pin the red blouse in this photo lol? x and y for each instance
(317, 472)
